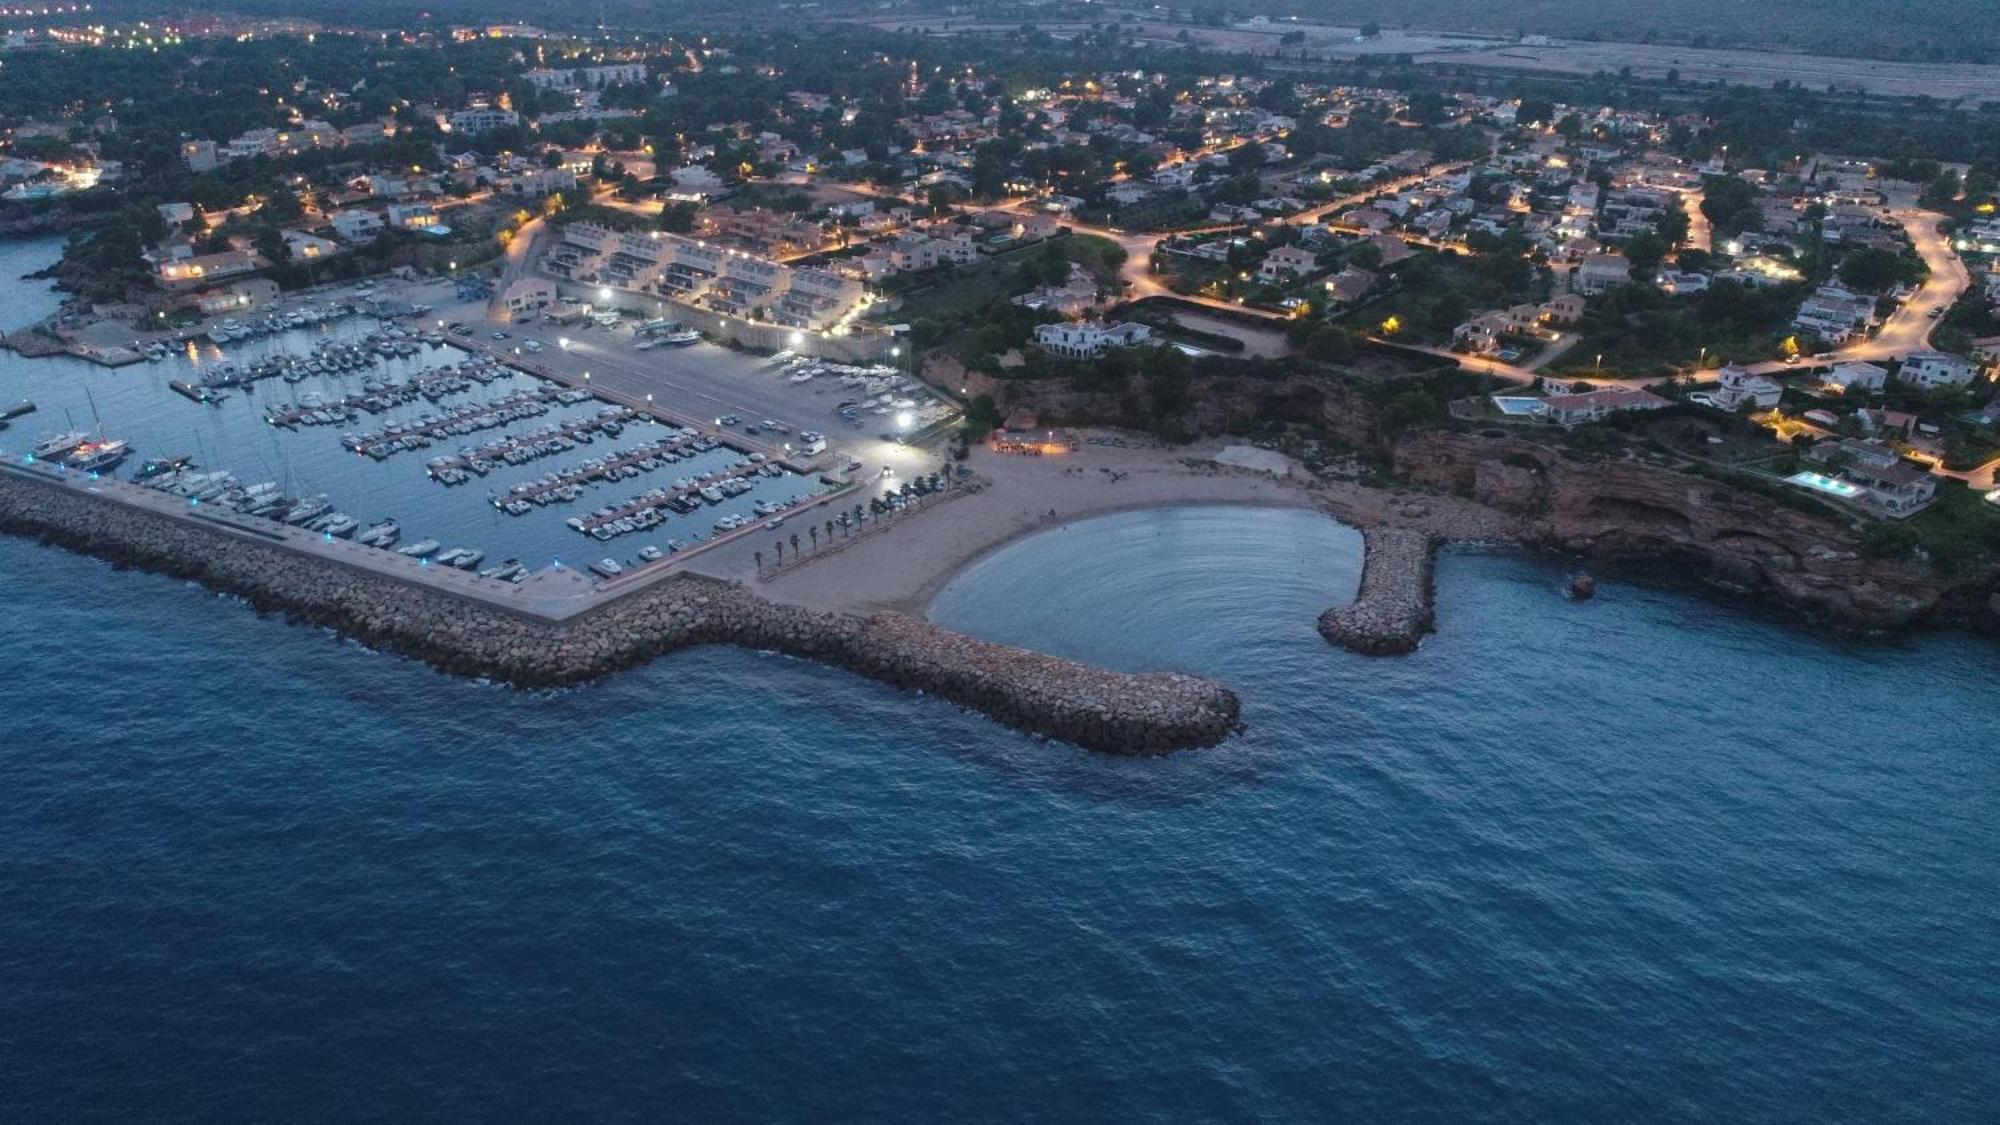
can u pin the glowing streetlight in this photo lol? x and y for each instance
(905, 419)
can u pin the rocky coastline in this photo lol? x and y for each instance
(1634, 512)
(1046, 695)
(1394, 608)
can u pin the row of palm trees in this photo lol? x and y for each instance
(848, 521)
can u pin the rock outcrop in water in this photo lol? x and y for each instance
(1625, 510)
(480, 636)
(1393, 609)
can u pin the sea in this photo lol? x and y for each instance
(1640, 858)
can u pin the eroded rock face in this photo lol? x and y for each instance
(1508, 487)
(1631, 510)
(1091, 707)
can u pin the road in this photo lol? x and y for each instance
(1909, 328)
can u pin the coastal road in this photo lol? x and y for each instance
(1909, 328)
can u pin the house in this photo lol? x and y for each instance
(1349, 285)
(1932, 369)
(1074, 295)
(1900, 489)
(1834, 314)
(356, 225)
(1594, 406)
(1087, 340)
(412, 216)
(482, 119)
(1566, 309)
(176, 214)
(1287, 262)
(303, 247)
(1393, 249)
(1895, 424)
(1737, 388)
(203, 268)
(1848, 378)
(1889, 484)
(1599, 272)
(529, 294)
(200, 156)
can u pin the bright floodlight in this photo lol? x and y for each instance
(604, 293)
(905, 419)
(798, 338)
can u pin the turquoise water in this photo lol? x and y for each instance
(1636, 859)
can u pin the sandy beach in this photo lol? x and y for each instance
(903, 567)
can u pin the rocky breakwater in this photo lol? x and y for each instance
(1734, 538)
(1394, 609)
(437, 618)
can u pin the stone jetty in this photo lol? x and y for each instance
(1393, 610)
(432, 618)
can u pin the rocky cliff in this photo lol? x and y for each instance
(1632, 510)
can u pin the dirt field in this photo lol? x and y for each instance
(1946, 82)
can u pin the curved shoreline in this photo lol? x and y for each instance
(481, 636)
(927, 595)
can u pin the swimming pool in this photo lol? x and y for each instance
(1819, 482)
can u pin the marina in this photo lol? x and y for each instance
(201, 422)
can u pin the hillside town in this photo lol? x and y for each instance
(1118, 245)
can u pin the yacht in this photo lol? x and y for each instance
(305, 511)
(340, 526)
(379, 535)
(422, 548)
(468, 558)
(161, 466)
(608, 568)
(55, 445)
(96, 456)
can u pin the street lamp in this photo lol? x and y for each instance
(1600, 363)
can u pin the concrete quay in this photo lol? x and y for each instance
(1394, 608)
(560, 629)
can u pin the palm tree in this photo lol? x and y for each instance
(760, 562)
(814, 532)
(829, 531)
(795, 543)
(780, 544)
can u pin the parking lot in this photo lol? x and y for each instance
(736, 391)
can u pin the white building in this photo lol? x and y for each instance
(483, 119)
(1599, 272)
(1737, 388)
(1852, 377)
(1087, 340)
(1930, 370)
(356, 225)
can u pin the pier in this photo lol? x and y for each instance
(559, 628)
(1394, 608)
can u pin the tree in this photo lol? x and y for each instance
(1329, 343)
(1731, 205)
(1871, 270)
(814, 532)
(677, 218)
